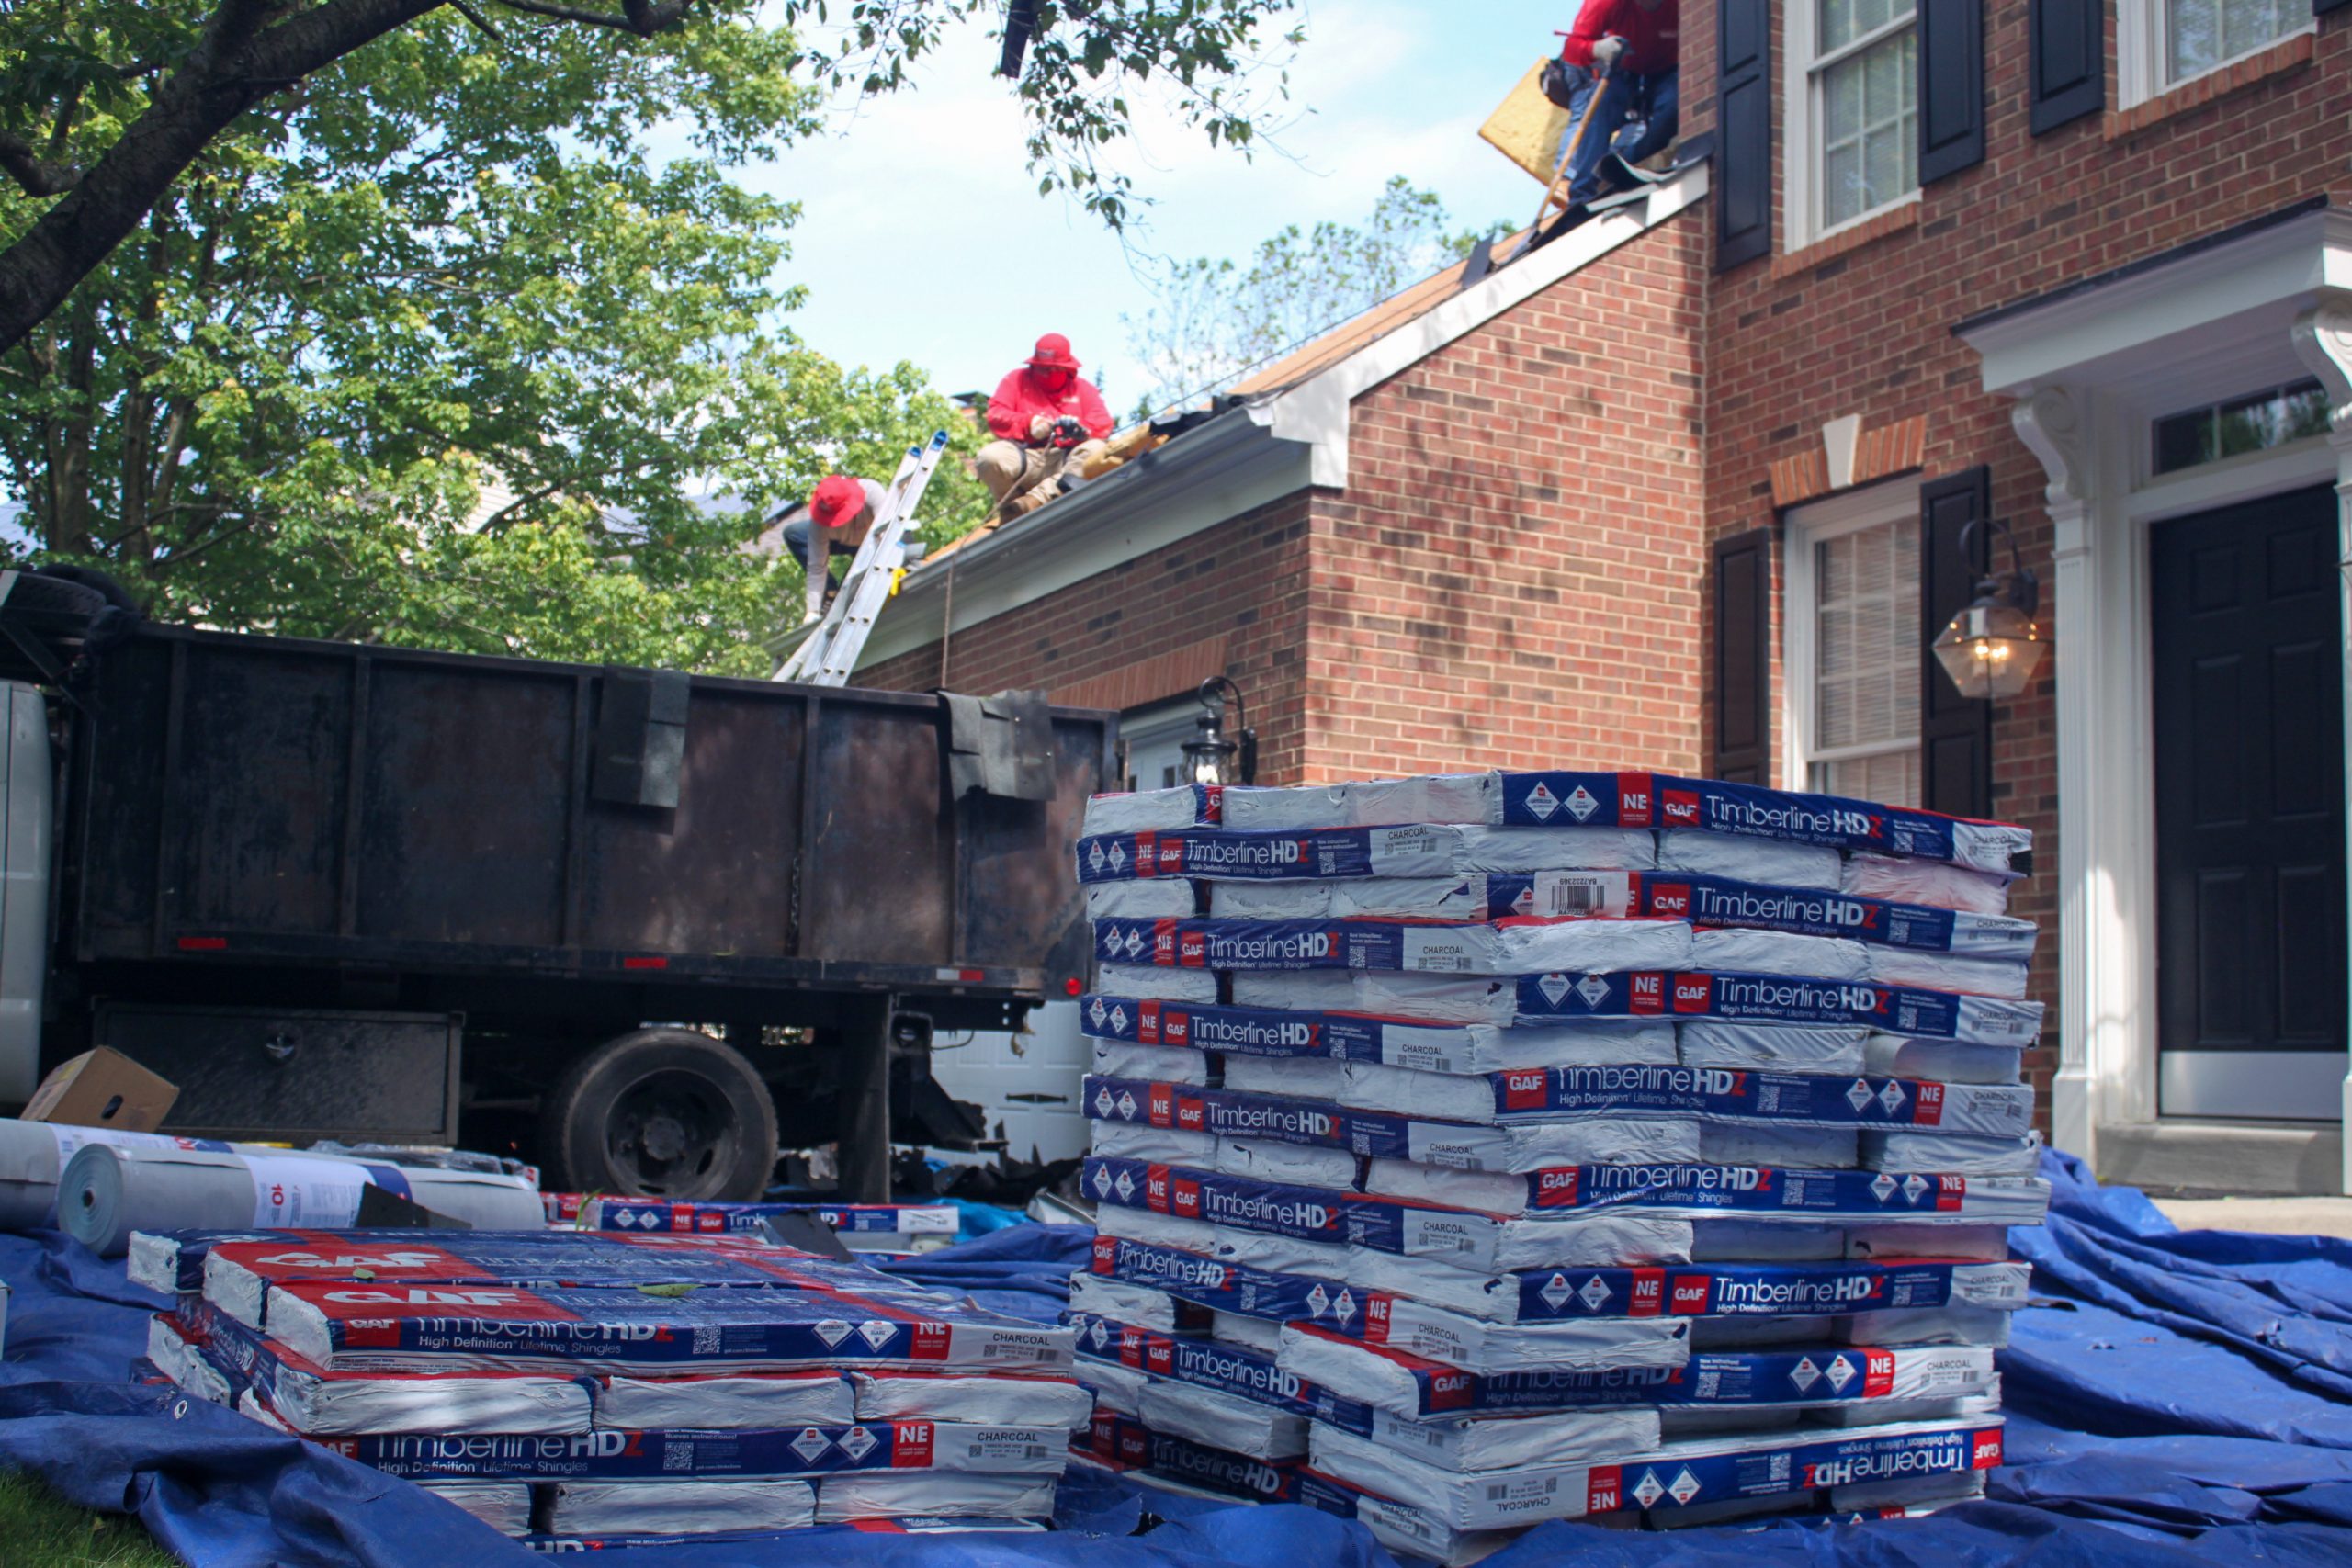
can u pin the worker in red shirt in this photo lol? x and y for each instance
(1624, 51)
(1048, 424)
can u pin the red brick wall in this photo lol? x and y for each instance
(1866, 328)
(1244, 580)
(1511, 576)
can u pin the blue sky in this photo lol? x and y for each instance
(922, 238)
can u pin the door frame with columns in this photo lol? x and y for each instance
(2089, 370)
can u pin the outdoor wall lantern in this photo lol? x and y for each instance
(1992, 647)
(1210, 758)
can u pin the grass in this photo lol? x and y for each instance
(42, 1531)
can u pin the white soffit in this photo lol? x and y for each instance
(2153, 324)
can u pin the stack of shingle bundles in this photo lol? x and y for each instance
(1470, 1154)
(586, 1384)
(882, 1230)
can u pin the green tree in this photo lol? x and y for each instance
(434, 353)
(105, 104)
(1212, 318)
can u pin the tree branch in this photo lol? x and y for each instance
(642, 17)
(37, 175)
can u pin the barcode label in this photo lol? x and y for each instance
(1574, 895)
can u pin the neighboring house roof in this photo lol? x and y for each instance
(1291, 431)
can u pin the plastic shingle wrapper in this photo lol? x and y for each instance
(1266, 1161)
(1786, 1149)
(980, 1400)
(1772, 1047)
(641, 1507)
(1933, 883)
(1306, 1077)
(1161, 1145)
(1144, 900)
(1940, 1061)
(1161, 1064)
(1743, 859)
(1365, 803)
(1149, 810)
(1779, 952)
(1957, 1153)
(1943, 972)
(1152, 983)
(1767, 1241)
(1223, 1420)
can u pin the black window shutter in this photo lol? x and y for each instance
(2322, 7)
(2069, 52)
(1951, 87)
(1743, 131)
(1955, 734)
(1743, 657)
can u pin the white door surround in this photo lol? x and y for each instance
(2091, 369)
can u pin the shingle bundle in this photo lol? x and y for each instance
(1546, 1145)
(584, 1383)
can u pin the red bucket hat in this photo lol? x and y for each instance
(836, 500)
(1053, 353)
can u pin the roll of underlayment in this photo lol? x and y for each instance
(106, 1193)
(33, 1153)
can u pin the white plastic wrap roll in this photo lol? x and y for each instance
(33, 1153)
(106, 1193)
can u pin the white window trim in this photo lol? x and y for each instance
(1799, 134)
(2140, 51)
(1150, 728)
(1894, 501)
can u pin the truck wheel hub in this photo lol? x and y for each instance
(662, 1139)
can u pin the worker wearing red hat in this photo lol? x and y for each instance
(1048, 424)
(839, 512)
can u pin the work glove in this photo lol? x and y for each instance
(1067, 431)
(1040, 426)
(1608, 52)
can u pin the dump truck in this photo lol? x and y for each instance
(634, 925)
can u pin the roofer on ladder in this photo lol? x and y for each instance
(1048, 424)
(1627, 51)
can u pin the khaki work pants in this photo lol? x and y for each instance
(1011, 469)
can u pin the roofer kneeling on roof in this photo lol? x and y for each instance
(1047, 422)
(1625, 51)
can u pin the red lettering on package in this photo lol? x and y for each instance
(1635, 797)
(1679, 807)
(931, 1339)
(1525, 1090)
(1604, 1489)
(1878, 1373)
(1951, 1192)
(1985, 1450)
(1929, 1112)
(1694, 993)
(1556, 1189)
(1646, 993)
(1451, 1391)
(1192, 951)
(1160, 1104)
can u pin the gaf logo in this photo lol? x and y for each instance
(1690, 1295)
(1171, 851)
(1192, 949)
(1987, 1453)
(1192, 1115)
(1679, 808)
(352, 1259)
(1556, 1185)
(1176, 1028)
(1523, 1089)
(418, 1295)
(1670, 898)
(1692, 992)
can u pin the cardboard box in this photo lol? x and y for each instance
(103, 1087)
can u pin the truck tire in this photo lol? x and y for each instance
(661, 1113)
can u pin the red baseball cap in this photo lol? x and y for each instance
(1052, 354)
(836, 500)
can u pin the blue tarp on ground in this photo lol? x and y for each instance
(2176, 1398)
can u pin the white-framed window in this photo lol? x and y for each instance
(1852, 652)
(1852, 112)
(1155, 738)
(2162, 43)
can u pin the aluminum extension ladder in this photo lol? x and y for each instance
(828, 654)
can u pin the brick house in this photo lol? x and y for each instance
(1689, 488)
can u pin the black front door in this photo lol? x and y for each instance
(2249, 775)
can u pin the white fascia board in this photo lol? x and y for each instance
(1225, 468)
(2070, 336)
(1315, 410)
